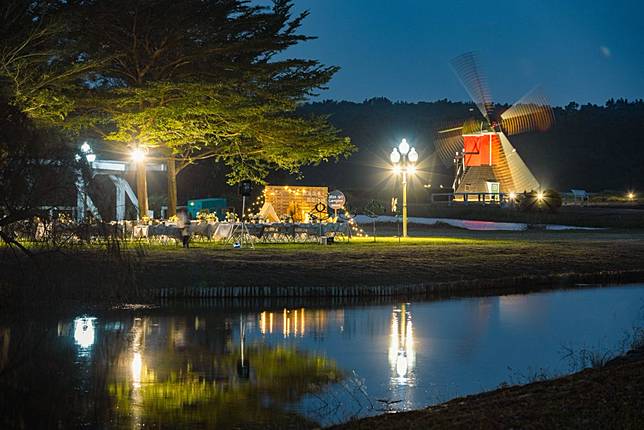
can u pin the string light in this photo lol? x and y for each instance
(354, 225)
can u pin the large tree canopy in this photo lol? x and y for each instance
(197, 79)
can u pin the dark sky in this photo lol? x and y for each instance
(587, 51)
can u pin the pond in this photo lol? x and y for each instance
(295, 364)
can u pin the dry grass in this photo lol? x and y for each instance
(609, 397)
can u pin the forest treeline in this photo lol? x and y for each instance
(589, 147)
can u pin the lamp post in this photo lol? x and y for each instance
(81, 195)
(404, 160)
(138, 156)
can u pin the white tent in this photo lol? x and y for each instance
(267, 212)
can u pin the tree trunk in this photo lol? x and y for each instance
(142, 189)
(172, 187)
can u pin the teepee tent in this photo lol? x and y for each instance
(267, 212)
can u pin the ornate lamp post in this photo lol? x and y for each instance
(404, 160)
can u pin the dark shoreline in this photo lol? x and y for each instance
(521, 284)
(611, 396)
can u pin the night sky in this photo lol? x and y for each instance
(587, 51)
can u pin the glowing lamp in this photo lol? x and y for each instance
(403, 147)
(397, 170)
(91, 157)
(85, 148)
(540, 195)
(413, 155)
(411, 170)
(631, 196)
(138, 155)
(394, 156)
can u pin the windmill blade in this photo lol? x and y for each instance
(469, 72)
(531, 112)
(447, 144)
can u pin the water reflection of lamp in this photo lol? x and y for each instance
(137, 368)
(84, 332)
(402, 355)
(243, 366)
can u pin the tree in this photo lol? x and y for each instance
(37, 67)
(37, 166)
(200, 79)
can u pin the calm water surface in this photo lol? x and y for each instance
(225, 365)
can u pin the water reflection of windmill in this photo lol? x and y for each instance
(402, 355)
(484, 159)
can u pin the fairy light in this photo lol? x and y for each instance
(359, 232)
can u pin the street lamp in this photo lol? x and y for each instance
(138, 157)
(404, 160)
(86, 149)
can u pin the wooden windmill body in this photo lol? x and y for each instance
(490, 158)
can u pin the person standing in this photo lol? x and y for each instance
(183, 223)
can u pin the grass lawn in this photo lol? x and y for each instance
(434, 256)
(442, 256)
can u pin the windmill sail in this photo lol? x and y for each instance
(448, 144)
(468, 70)
(510, 170)
(530, 113)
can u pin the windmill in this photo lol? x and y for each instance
(483, 157)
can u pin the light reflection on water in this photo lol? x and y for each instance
(84, 333)
(220, 368)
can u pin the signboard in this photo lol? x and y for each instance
(336, 200)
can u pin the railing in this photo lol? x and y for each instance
(469, 198)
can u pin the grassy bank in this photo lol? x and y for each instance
(608, 397)
(482, 262)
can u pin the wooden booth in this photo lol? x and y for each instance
(297, 201)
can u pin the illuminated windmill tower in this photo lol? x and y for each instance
(485, 161)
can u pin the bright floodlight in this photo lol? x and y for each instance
(394, 156)
(91, 158)
(397, 170)
(85, 148)
(413, 155)
(411, 170)
(540, 195)
(138, 155)
(631, 195)
(403, 147)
